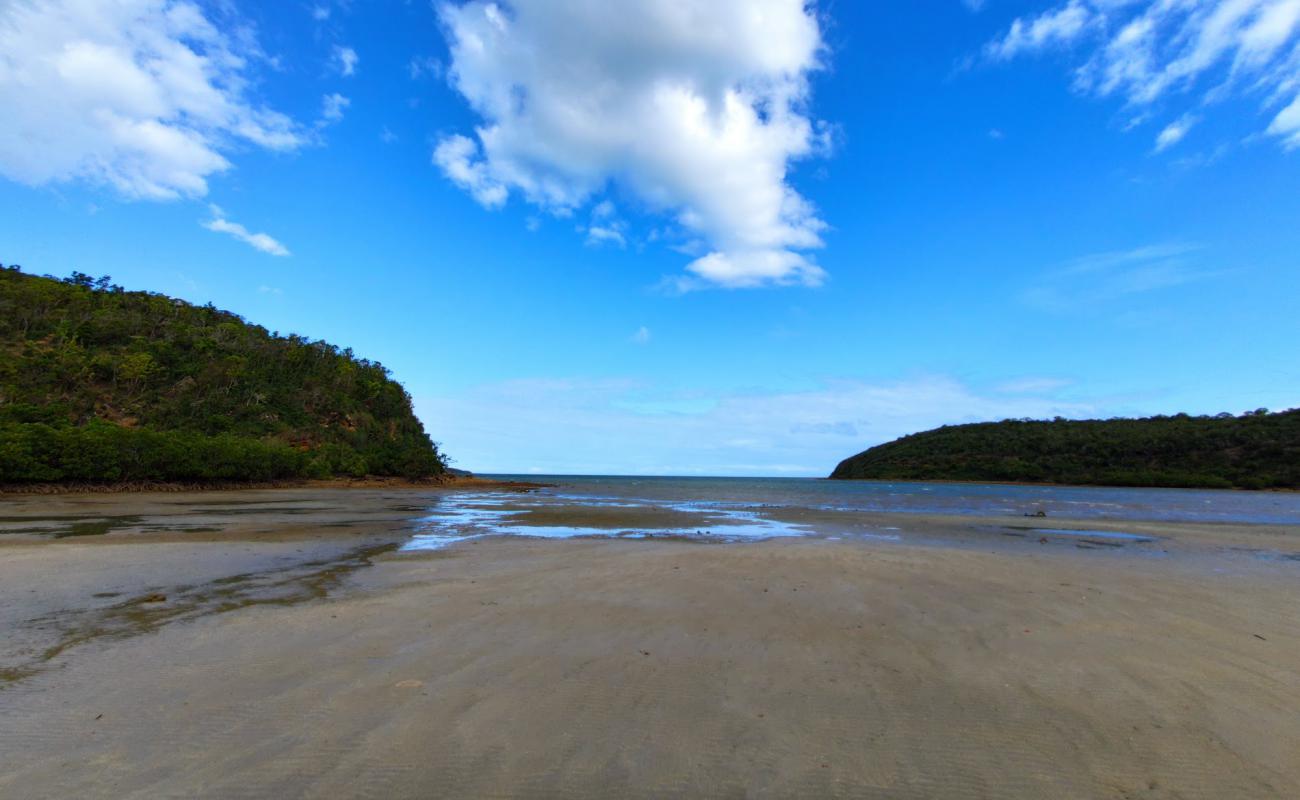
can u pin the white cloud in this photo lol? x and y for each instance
(332, 107)
(606, 227)
(457, 156)
(1287, 124)
(599, 234)
(620, 426)
(320, 13)
(345, 60)
(145, 96)
(642, 335)
(1105, 278)
(1174, 132)
(420, 66)
(696, 109)
(260, 241)
(1152, 52)
(1059, 26)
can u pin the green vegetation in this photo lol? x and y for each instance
(1257, 450)
(101, 384)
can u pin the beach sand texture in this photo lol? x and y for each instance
(291, 661)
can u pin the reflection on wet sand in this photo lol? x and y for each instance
(567, 517)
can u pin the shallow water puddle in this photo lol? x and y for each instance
(474, 516)
(63, 526)
(1091, 534)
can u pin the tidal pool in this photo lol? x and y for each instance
(472, 516)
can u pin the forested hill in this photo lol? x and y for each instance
(1258, 450)
(98, 384)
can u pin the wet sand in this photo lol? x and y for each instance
(297, 652)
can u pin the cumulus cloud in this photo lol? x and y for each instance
(145, 96)
(696, 109)
(625, 427)
(259, 241)
(458, 157)
(1152, 51)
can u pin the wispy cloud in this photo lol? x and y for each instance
(1033, 385)
(259, 241)
(642, 335)
(605, 227)
(1026, 35)
(600, 234)
(345, 60)
(1174, 132)
(573, 426)
(1096, 280)
(421, 66)
(332, 108)
(1158, 53)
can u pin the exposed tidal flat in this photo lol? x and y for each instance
(652, 637)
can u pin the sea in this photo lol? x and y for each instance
(750, 509)
(1080, 502)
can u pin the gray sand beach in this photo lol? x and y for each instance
(293, 643)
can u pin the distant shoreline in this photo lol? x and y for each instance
(1257, 450)
(447, 482)
(476, 482)
(960, 482)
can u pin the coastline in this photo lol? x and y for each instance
(958, 482)
(477, 482)
(369, 482)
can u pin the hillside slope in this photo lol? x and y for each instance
(1253, 451)
(102, 384)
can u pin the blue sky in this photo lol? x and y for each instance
(715, 238)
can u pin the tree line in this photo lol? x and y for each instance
(98, 383)
(1256, 450)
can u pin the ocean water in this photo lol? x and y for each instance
(1078, 502)
(742, 509)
